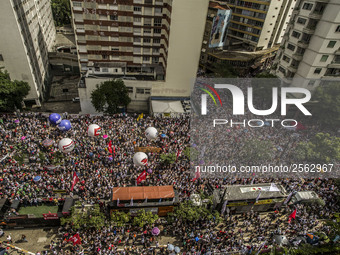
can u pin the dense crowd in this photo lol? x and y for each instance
(98, 174)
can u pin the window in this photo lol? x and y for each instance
(156, 40)
(77, 4)
(137, 9)
(301, 21)
(157, 30)
(113, 17)
(105, 70)
(147, 91)
(158, 10)
(285, 58)
(1, 57)
(147, 21)
(139, 91)
(296, 34)
(137, 39)
(324, 58)
(115, 48)
(337, 29)
(317, 70)
(291, 47)
(147, 11)
(307, 6)
(130, 89)
(65, 90)
(147, 1)
(157, 22)
(105, 56)
(331, 44)
(282, 70)
(146, 58)
(155, 50)
(147, 31)
(137, 19)
(146, 40)
(155, 60)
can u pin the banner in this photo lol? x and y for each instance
(75, 239)
(75, 180)
(50, 216)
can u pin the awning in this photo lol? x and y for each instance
(160, 106)
(141, 193)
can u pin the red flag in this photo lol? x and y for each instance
(75, 239)
(110, 147)
(292, 216)
(178, 153)
(114, 151)
(75, 180)
(141, 177)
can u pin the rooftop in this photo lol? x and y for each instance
(141, 193)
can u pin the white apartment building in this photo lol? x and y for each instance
(27, 34)
(154, 45)
(310, 50)
(258, 24)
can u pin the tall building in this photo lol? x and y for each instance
(153, 45)
(310, 49)
(27, 34)
(258, 24)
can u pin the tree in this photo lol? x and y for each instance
(224, 70)
(265, 75)
(12, 93)
(61, 11)
(327, 106)
(89, 218)
(120, 218)
(322, 148)
(168, 159)
(144, 218)
(109, 95)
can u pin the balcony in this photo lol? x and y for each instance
(297, 56)
(292, 68)
(315, 15)
(309, 29)
(303, 44)
(137, 1)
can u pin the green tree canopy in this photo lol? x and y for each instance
(169, 158)
(120, 218)
(12, 93)
(61, 11)
(327, 107)
(109, 95)
(144, 218)
(224, 70)
(322, 148)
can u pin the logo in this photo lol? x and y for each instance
(238, 100)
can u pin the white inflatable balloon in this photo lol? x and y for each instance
(140, 159)
(151, 133)
(66, 145)
(93, 130)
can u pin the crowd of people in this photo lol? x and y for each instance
(24, 157)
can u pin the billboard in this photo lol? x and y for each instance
(219, 28)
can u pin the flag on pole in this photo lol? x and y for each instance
(74, 180)
(146, 200)
(258, 197)
(75, 239)
(117, 201)
(224, 206)
(110, 147)
(160, 200)
(292, 216)
(131, 202)
(141, 177)
(261, 247)
(140, 116)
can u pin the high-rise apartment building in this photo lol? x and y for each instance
(153, 45)
(310, 49)
(258, 24)
(27, 34)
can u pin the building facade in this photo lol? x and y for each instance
(310, 50)
(27, 34)
(258, 24)
(153, 45)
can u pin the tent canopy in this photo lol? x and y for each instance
(160, 106)
(138, 193)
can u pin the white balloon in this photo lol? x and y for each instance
(151, 133)
(93, 130)
(66, 145)
(140, 159)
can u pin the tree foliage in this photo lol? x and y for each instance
(322, 148)
(327, 107)
(61, 11)
(88, 218)
(265, 75)
(144, 218)
(12, 93)
(224, 70)
(169, 158)
(109, 95)
(120, 218)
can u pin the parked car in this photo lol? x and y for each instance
(76, 100)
